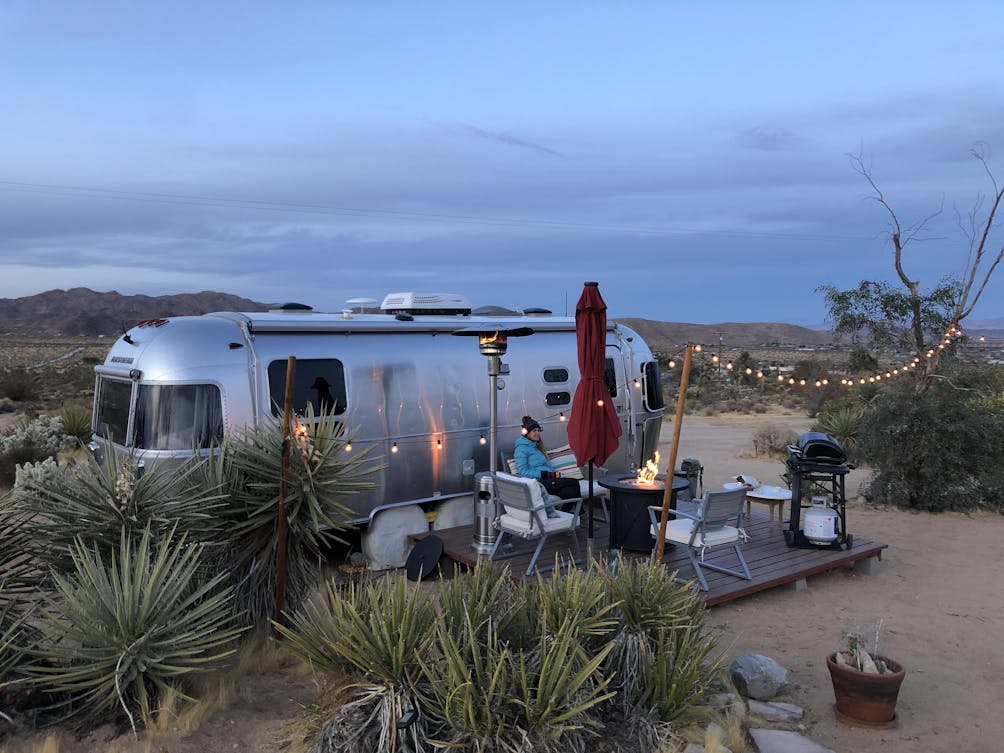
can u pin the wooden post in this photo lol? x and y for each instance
(667, 495)
(280, 522)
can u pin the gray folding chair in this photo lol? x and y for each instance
(717, 522)
(528, 511)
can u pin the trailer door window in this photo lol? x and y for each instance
(178, 416)
(653, 386)
(320, 382)
(112, 419)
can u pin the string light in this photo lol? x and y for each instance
(348, 447)
(599, 403)
(561, 416)
(393, 447)
(439, 444)
(482, 440)
(637, 383)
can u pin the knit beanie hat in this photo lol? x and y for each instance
(529, 424)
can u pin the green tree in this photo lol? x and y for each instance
(906, 315)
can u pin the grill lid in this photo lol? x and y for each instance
(820, 448)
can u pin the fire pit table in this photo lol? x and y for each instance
(629, 503)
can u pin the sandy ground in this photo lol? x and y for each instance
(938, 593)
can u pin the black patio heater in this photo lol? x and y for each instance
(492, 342)
(817, 467)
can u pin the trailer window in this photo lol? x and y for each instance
(112, 419)
(178, 416)
(555, 375)
(653, 386)
(319, 381)
(610, 377)
(557, 398)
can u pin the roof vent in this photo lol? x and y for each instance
(290, 307)
(426, 304)
(536, 312)
(494, 311)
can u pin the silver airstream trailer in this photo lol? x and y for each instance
(400, 381)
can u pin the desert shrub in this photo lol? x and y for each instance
(939, 450)
(499, 665)
(124, 627)
(660, 654)
(17, 384)
(98, 502)
(11, 459)
(76, 422)
(842, 421)
(772, 440)
(378, 631)
(44, 433)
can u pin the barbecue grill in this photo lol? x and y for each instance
(817, 466)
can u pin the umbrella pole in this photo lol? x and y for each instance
(589, 518)
(667, 495)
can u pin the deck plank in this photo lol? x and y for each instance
(772, 562)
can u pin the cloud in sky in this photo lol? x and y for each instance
(698, 170)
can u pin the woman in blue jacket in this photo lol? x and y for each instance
(531, 462)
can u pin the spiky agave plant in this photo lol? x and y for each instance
(125, 627)
(322, 476)
(97, 502)
(379, 631)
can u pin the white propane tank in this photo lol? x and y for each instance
(820, 522)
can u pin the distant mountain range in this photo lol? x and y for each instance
(81, 311)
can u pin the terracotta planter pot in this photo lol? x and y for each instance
(865, 699)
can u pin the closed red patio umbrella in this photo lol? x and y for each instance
(593, 428)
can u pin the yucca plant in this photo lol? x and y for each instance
(125, 627)
(484, 593)
(578, 598)
(468, 686)
(76, 422)
(842, 421)
(99, 502)
(321, 476)
(379, 631)
(654, 611)
(679, 671)
(557, 691)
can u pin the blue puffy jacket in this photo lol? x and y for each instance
(530, 461)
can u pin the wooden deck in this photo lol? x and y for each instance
(772, 562)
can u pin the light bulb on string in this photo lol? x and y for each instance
(348, 447)
(599, 403)
(393, 447)
(561, 415)
(672, 364)
(439, 444)
(482, 440)
(637, 383)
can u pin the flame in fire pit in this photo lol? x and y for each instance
(647, 474)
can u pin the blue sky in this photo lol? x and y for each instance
(691, 157)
